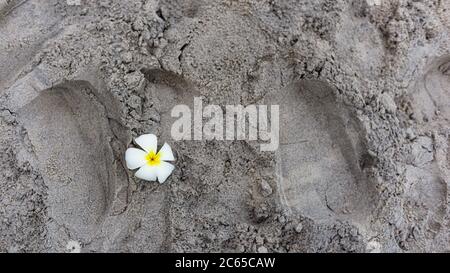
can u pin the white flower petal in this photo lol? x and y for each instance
(147, 172)
(163, 171)
(166, 153)
(147, 142)
(135, 158)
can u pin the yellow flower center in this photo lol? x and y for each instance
(153, 159)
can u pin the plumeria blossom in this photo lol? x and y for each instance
(152, 164)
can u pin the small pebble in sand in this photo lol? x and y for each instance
(266, 189)
(73, 246)
(262, 249)
(373, 247)
(299, 228)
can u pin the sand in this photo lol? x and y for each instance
(364, 94)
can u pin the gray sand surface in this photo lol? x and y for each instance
(364, 94)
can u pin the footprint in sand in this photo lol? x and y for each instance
(320, 154)
(428, 170)
(69, 131)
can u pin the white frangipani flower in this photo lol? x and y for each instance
(152, 164)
